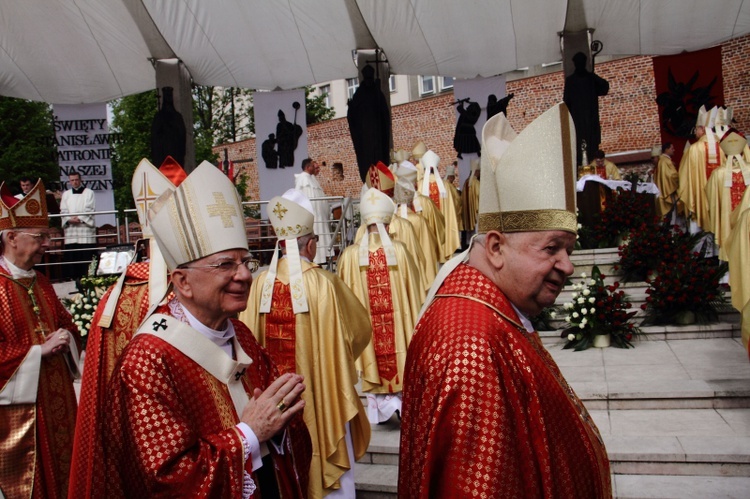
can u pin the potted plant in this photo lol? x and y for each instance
(598, 312)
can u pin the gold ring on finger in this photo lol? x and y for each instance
(282, 406)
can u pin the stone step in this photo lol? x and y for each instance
(685, 442)
(683, 487)
(378, 482)
(724, 329)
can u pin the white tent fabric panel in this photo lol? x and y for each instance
(73, 51)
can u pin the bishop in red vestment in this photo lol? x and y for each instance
(486, 411)
(38, 359)
(195, 406)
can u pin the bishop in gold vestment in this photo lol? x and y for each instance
(321, 343)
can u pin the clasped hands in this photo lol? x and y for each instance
(269, 411)
(56, 342)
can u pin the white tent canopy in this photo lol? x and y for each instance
(78, 51)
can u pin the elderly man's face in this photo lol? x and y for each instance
(27, 247)
(535, 268)
(217, 294)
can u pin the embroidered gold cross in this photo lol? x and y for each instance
(372, 197)
(279, 211)
(223, 210)
(146, 196)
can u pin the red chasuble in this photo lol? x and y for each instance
(36, 440)
(103, 348)
(170, 426)
(486, 412)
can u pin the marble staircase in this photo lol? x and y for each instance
(674, 411)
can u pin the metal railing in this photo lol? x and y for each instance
(261, 237)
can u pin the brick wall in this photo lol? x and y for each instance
(628, 116)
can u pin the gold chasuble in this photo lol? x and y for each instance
(321, 342)
(37, 401)
(435, 220)
(666, 179)
(401, 230)
(393, 296)
(737, 248)
(508, 424)
(452, 239)
(456, 197)
(470, 202)
(103, 348)
(725, 205)
(171, 414)
(694, 176)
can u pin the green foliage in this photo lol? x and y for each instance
(316, 109)
(27, 142)
(132, 118)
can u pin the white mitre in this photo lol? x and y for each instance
(375, 207)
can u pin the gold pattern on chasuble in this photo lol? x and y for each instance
(18, 425)
(435, 194)
(223, 210)
(381, 315)
(127, 318)
(280, 332)
(222, 402)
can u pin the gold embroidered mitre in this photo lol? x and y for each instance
(381, 178)
(201, 217)
(534, 178)
(30, 212)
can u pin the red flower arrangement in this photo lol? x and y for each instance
(684, 282)
(624, 212)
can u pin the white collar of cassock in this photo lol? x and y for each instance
(221, 338)
(18, 272)
(524, 320)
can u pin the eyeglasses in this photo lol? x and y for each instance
(40, 237)
(229, 266)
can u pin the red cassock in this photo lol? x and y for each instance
(103, 348)
(36, 439)
(170, 426)
(486, 411)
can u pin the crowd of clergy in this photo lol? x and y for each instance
(201, 379)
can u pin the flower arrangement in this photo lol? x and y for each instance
(623, 212)
(598, 309)
(684, 283)
(83, 304)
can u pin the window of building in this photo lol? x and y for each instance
(426, 85)
(325, 91)
(446, 83)
(392, 83)
(351, 86)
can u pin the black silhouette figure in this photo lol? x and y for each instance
(495, 106)
(268, 152)
(287, 137)
(369, 123)
(168, 131)
(465, 139)
(581, 94)
(680, 104)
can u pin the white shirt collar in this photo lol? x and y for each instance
(18, 272)
(221, 338)
(524, 320)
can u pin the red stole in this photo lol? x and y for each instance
(281, 328)
(737, 189)
(435, 194)
(381, 314)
